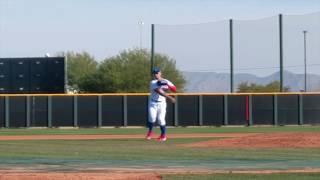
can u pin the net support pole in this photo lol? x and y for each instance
(152, 48)
(305, 59)
(231, 54)
(281, 52)
(65, 74)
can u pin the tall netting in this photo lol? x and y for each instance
(201, 52)
(298, 46)
(256, 51)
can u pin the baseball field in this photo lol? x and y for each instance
(189, 153)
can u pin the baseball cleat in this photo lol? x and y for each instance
(162, 138)
(149, 136)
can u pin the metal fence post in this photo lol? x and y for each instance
(250, 111)
(225, 109)
(125, 110)
(49, 111)
(7, 111)
(275, 109)
(200, 106)
(99, 111)
(28, 109)
(176, 116)
(75, 111)
(300, 101)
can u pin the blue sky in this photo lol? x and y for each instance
(105, 27)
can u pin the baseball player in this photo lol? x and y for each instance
(157, 103)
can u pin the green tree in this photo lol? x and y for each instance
(273, 86)
(169, 70)
(81, 69)
(130, 71)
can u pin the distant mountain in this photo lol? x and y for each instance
(220, 82)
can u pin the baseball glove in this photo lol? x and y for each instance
(162, 83)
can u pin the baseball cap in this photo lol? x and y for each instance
(155, 70)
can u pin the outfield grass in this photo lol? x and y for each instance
(141, 130)
(144, 154)
(139, 153)
(139, 149)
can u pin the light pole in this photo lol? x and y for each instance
(141, 23)
(305, 59)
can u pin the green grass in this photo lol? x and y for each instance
(139, 153)
(176, 130)
(292, 176)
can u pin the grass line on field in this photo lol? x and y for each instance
(142, 130)
(225, 176)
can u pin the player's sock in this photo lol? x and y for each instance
(150, 126)
(163, 130)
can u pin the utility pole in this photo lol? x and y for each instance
(305, 59)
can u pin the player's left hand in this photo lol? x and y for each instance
(172, 99)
